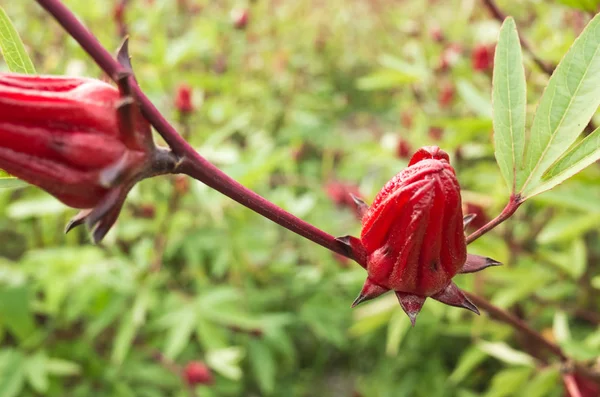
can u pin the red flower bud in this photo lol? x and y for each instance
(412, 239)
(78, 139)
(435, 133)
(183, 99)
(197, 373)
(482, 57)
(404, 149)
(446, 95)
(240, 17)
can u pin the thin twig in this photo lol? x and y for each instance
(511, 207)
(500, 16)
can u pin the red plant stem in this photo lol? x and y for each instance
(192, 163)
(511, 207)
(571, 385)
(516, 323)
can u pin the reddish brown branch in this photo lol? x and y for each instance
(500, 16)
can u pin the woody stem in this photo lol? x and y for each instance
(507, 212)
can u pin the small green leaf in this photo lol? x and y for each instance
(12, 375)
(263, 366)
(505, 353)
(566, 106)
(469, 360)
(180, 332)
(12, 48)
(226, 362)
(60, 367)
(578, 157)
(37, 372)
(475, 100)
(507, 382)
(509, 97)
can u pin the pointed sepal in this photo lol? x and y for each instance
(411, 304)
(476, 263)
(123, 56)
(355, 249)
(77, 220)
(361, 206)
(369, 291)
(453, 296)
(467, 219)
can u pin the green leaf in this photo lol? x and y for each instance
(505, 353)
(476, 101)
(15, 313)
(226, 362)
(542, 384)
(60, 367)
(384, 79)
(469, 360)
(37, 372)
(566, 106)
(263, 366)
(12, 48)
(508, 381)
(578, 157)
(509, 100)
(180, 332)
(124, 339)
(12, 375)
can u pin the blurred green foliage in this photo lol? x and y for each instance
(308, 93)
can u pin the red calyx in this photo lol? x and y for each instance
(446, 95)
(412, 241)
(197, 373)
(79, 139)
(404, 149)
(183, 99)
(482, 57)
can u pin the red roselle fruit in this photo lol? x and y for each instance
(446, 95)
(412, 241)
(403, 149)
(183, 100)
(482, 57)
(81, 140)
(197, 373)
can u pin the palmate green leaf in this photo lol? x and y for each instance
(568, 103)
(509, 97)
(12, 47)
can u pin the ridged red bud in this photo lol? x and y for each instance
(197, 373)
(412, 239)
(78, 139)
(404, 149)
(482, 57)
(183, 99)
